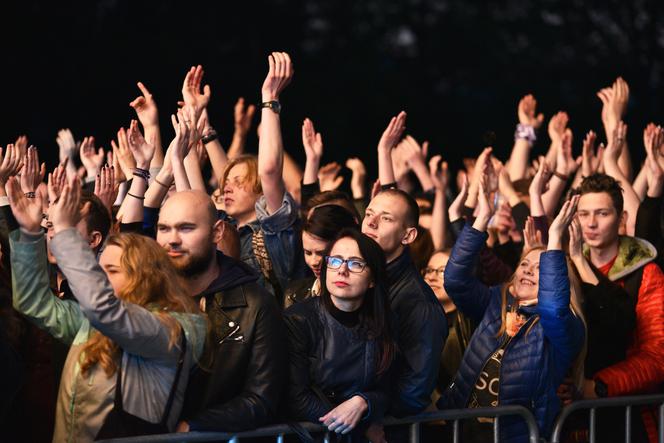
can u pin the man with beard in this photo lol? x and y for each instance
(239, 383)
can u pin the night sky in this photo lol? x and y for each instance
(457, 67)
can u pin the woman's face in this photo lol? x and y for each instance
(433, 275)
(526, 278)
(110, 263)
(314, 250)
(348, 283)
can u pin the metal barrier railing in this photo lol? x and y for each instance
(593, 405)
(279, 431)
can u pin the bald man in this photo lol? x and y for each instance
(240, 389)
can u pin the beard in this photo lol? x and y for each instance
(194, 264)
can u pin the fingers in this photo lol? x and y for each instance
(144, 90)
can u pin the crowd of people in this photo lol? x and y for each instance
(195, 288)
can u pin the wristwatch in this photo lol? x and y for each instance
(601, 389)
(272, 104)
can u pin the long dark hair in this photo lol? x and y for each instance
(374, 312)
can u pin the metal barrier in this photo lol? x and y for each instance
(279, 431)
(593, 405)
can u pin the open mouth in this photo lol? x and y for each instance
(526, 282)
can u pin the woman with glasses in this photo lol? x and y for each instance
(341, 345)
(321, 226)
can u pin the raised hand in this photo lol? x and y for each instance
(328, 177)
(179, 147)
(123, 154)
(105, 187)
(67, 211)
(561, 222)
(11, 164)
(526, 111)
(145, 107)
(32, 173)
(557, 126)
(531, 236)
(575, 240)
(191, 90)
(393, 132)
(27, 211)
(616, 142)
(565, 162)
(591, 161)
(312, 141)
(92, 159)
(22, 144)
(540, 181)
(485, 205)
(438, 173)
(358, 177)
(654, 170)
(243, 116)
(455, 211)
(66, 143)
(614, 104)
(140, 149)
(56, 181)
(278, 77)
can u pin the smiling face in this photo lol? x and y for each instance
(314, 249)
(347, 287)
(526, 278)
(600, 222)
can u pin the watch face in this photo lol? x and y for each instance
(276, 106)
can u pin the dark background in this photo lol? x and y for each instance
(457, 67)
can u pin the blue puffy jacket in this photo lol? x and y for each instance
(537, 358)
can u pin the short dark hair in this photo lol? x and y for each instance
(326, 221)
(330, 197)
(602, 183)
(412, 219)
(98, 217)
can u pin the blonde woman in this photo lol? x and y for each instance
(134, 332)
(528, 335)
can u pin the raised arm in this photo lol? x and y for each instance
(614, 105)
(135, 329)
(612, 168)
(387, 142)
(313, 151)
(439, 177)
(524, 137)
(243, 116)
(142, 151)
(146, 111)
(537, 187)
(556, 129)
(416, 157)
(270, 144)
(565, 166)
(30, 281)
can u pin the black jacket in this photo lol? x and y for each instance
(329, 364)
(243, 385)
(422, 331)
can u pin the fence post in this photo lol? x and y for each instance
(414, 436)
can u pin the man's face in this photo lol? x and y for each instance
(186, 232)
(384, 221)
(239, 199)
(599, 219)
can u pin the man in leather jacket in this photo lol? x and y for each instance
(240, 380)
(391, 219)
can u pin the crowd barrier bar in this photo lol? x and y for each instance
(280, 430)
(593, 405)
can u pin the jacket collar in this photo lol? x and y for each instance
(397, 267)
(232, 274)
(633, 253)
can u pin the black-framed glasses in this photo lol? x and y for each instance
(354, 265)
(439, 272)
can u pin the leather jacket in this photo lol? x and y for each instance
(422, 331)
(242, 387)
(329, 364)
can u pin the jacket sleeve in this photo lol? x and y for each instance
(466, 291)
(304, 404)
(421, 336)
(562, 328)
(643, 369)
(265, 380)
(135, 329)
(648, 220)
(32, 295)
